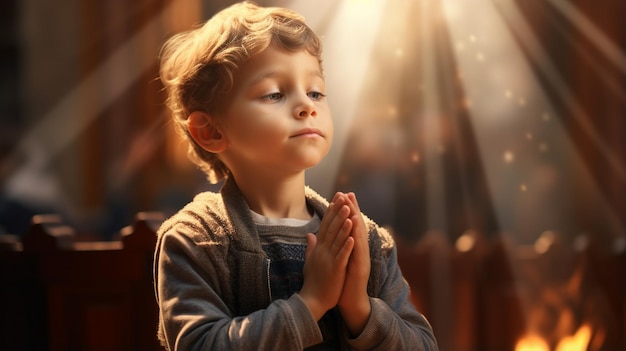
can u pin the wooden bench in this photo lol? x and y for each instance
(60, 294)
(479, 294)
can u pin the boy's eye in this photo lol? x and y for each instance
(273, 97)
(315, 95)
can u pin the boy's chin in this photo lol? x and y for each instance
(306, 165)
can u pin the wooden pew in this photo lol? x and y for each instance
(22, 299)
(60, 294)
(444, 285)
(88, 295)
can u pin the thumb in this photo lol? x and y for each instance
(311, 241)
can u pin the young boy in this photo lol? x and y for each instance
(268, 264)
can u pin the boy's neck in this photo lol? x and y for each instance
(273, 198)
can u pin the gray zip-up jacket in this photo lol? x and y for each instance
(211, 286)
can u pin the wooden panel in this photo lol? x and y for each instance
(58, 294)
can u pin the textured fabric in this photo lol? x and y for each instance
(212, 286)
(284, 243)
(285, 248)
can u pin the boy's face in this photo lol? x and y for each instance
(277, 119)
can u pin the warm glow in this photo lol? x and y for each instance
(576, 342)
(532, 343)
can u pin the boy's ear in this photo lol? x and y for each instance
(205, 130)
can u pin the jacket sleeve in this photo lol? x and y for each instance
(394, 323)
(194, 315)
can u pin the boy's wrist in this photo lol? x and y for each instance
(317, 311)
(356, 316)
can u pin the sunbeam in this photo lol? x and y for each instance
(346, 63)
(616, 56)
(526, 149)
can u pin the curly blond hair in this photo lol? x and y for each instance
(197, 66)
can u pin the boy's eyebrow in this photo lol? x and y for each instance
(270, 74)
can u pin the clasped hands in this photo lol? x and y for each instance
(337, 264)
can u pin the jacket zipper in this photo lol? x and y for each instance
(269, 287)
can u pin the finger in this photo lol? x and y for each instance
(321, 233)
(361, 243)
(342, 235)
(353, 203)
(355, 213)
(337, 196)
(343, 256)
(338, 201)
(335, 226)
(359, 231)
(311, 241)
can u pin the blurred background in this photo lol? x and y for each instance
(500, 117)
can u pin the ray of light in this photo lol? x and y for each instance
(591, 31)
(431, 113)
(507, 103)
(76, 110)
(348, 38)
(548, 68)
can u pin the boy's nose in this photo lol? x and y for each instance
(307, 112)
(305, 109)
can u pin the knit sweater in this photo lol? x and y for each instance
(211, 285)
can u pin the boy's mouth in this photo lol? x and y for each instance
(308, 132)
